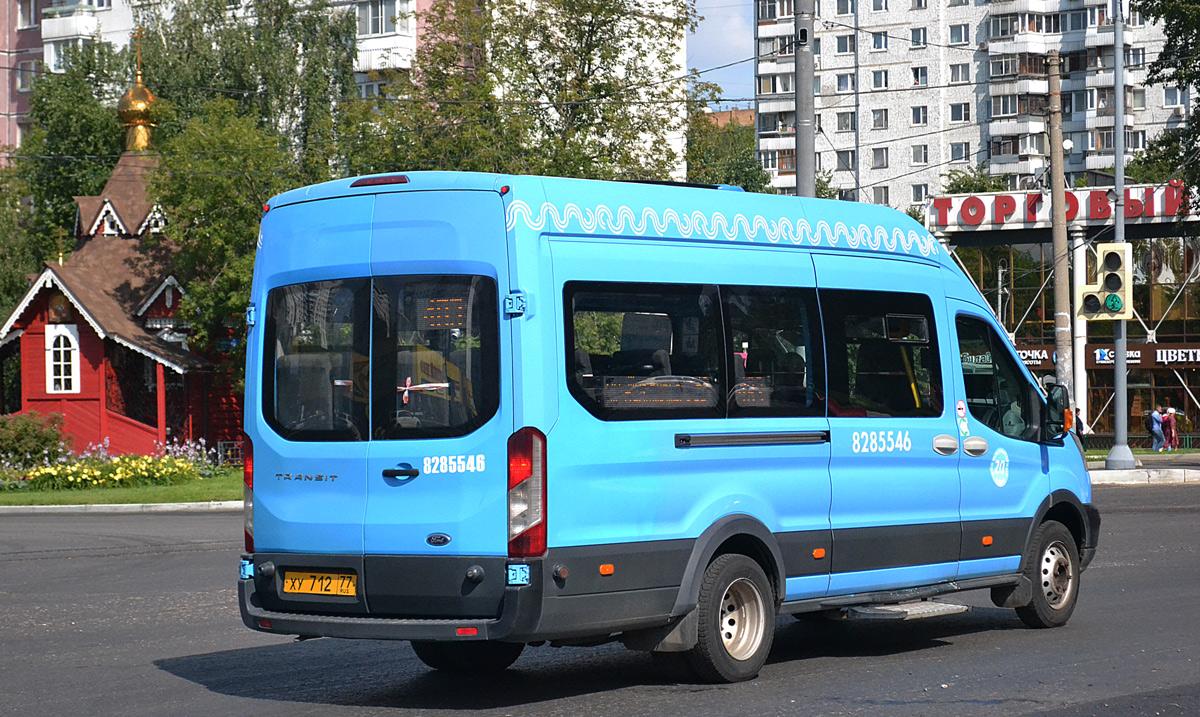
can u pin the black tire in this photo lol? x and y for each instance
(736, 621)
(1052, 565)
(468, 657)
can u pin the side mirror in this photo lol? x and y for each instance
(1057, 419)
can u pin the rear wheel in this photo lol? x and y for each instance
(1053, 567)
(468, 657)
(736, 621)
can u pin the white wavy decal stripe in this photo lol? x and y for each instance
(700, 225)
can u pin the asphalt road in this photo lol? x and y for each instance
(136, 615)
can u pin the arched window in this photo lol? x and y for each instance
(62, 358)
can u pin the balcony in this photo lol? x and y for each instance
(1102, 77)
(68, 22)
(1102, 36)
(1017, 125)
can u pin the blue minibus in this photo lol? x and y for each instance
(487, 411)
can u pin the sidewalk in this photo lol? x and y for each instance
(1153, 469)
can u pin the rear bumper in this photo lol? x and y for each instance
(520, 612)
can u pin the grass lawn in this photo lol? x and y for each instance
(226, 485)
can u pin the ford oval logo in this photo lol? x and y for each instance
(437, 540)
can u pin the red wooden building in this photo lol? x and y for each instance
(98, 335)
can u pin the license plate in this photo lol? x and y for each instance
(320, 583)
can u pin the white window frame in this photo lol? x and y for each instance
(849, 156)
(965, 153)
(923, 111)
(919, 192)
(62, 337)
(380, 17)
(26, 73)
(847, 121)
(880, 195)
(879, 41)
(879, 118)
(879, 79)
(879, 158)
(845, 83)
(920, 154)
(847, 42)
(960, 73)
(963, 109)
(26, 14)
(964, 34)
(918, 38)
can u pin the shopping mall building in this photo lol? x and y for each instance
(1004, 242)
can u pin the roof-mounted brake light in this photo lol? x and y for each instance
(380, 181)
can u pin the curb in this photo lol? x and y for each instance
(215, 506)
(1146, 476)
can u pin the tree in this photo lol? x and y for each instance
(723, 154)
(576, 88)
(1173, 153)
(215, 176)
(974, 180)
(601, 86)
(824, 188)
(73, 143)
(286, 64)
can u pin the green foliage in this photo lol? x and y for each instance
(916, 212)
(216, 174)
(601, 74)
(974, 181)
(17, 257)
(824, 185)
(72, 146)
(723, 155)
(102, 471)
(30, 439)
(284, 63)
(597, 332)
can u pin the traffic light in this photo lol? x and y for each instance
(1111, 297)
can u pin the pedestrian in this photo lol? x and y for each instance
(1170, 430)
(1156, 429)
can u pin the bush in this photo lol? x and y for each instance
(28, 440)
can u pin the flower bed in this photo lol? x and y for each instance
(96, 468)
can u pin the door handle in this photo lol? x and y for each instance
(945, 445)
(401, 472)
(975, 446)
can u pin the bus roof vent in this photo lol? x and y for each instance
(380, 180)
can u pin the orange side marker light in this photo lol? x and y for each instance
(819, 553)
(607, 569)
(987, 540)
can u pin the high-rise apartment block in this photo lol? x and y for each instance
(35, 32)
(909, 90)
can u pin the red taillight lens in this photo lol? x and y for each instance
(248, 492)
(526, 493)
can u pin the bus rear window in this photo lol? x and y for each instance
(315, 372)
(391, 358)
(435, 367)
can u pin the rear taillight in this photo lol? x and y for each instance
(526, 494)
(248, 492)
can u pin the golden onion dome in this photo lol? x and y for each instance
(134, 111)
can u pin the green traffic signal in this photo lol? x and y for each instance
(1112, 302)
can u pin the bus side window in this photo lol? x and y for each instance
(996, 388)
(882, 354)
(778, 366)
(644, 351)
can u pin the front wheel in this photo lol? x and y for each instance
(1053, 567)
(736, 620)
(468, 657)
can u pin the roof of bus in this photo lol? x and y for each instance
(726, 215)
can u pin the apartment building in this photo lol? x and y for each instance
(908, 90)
(35, 33)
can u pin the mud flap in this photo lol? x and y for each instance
(676, 636)
(1019, 594)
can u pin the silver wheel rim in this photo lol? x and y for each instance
(1057, 575)
(742, 613)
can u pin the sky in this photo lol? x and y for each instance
(726, 34)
